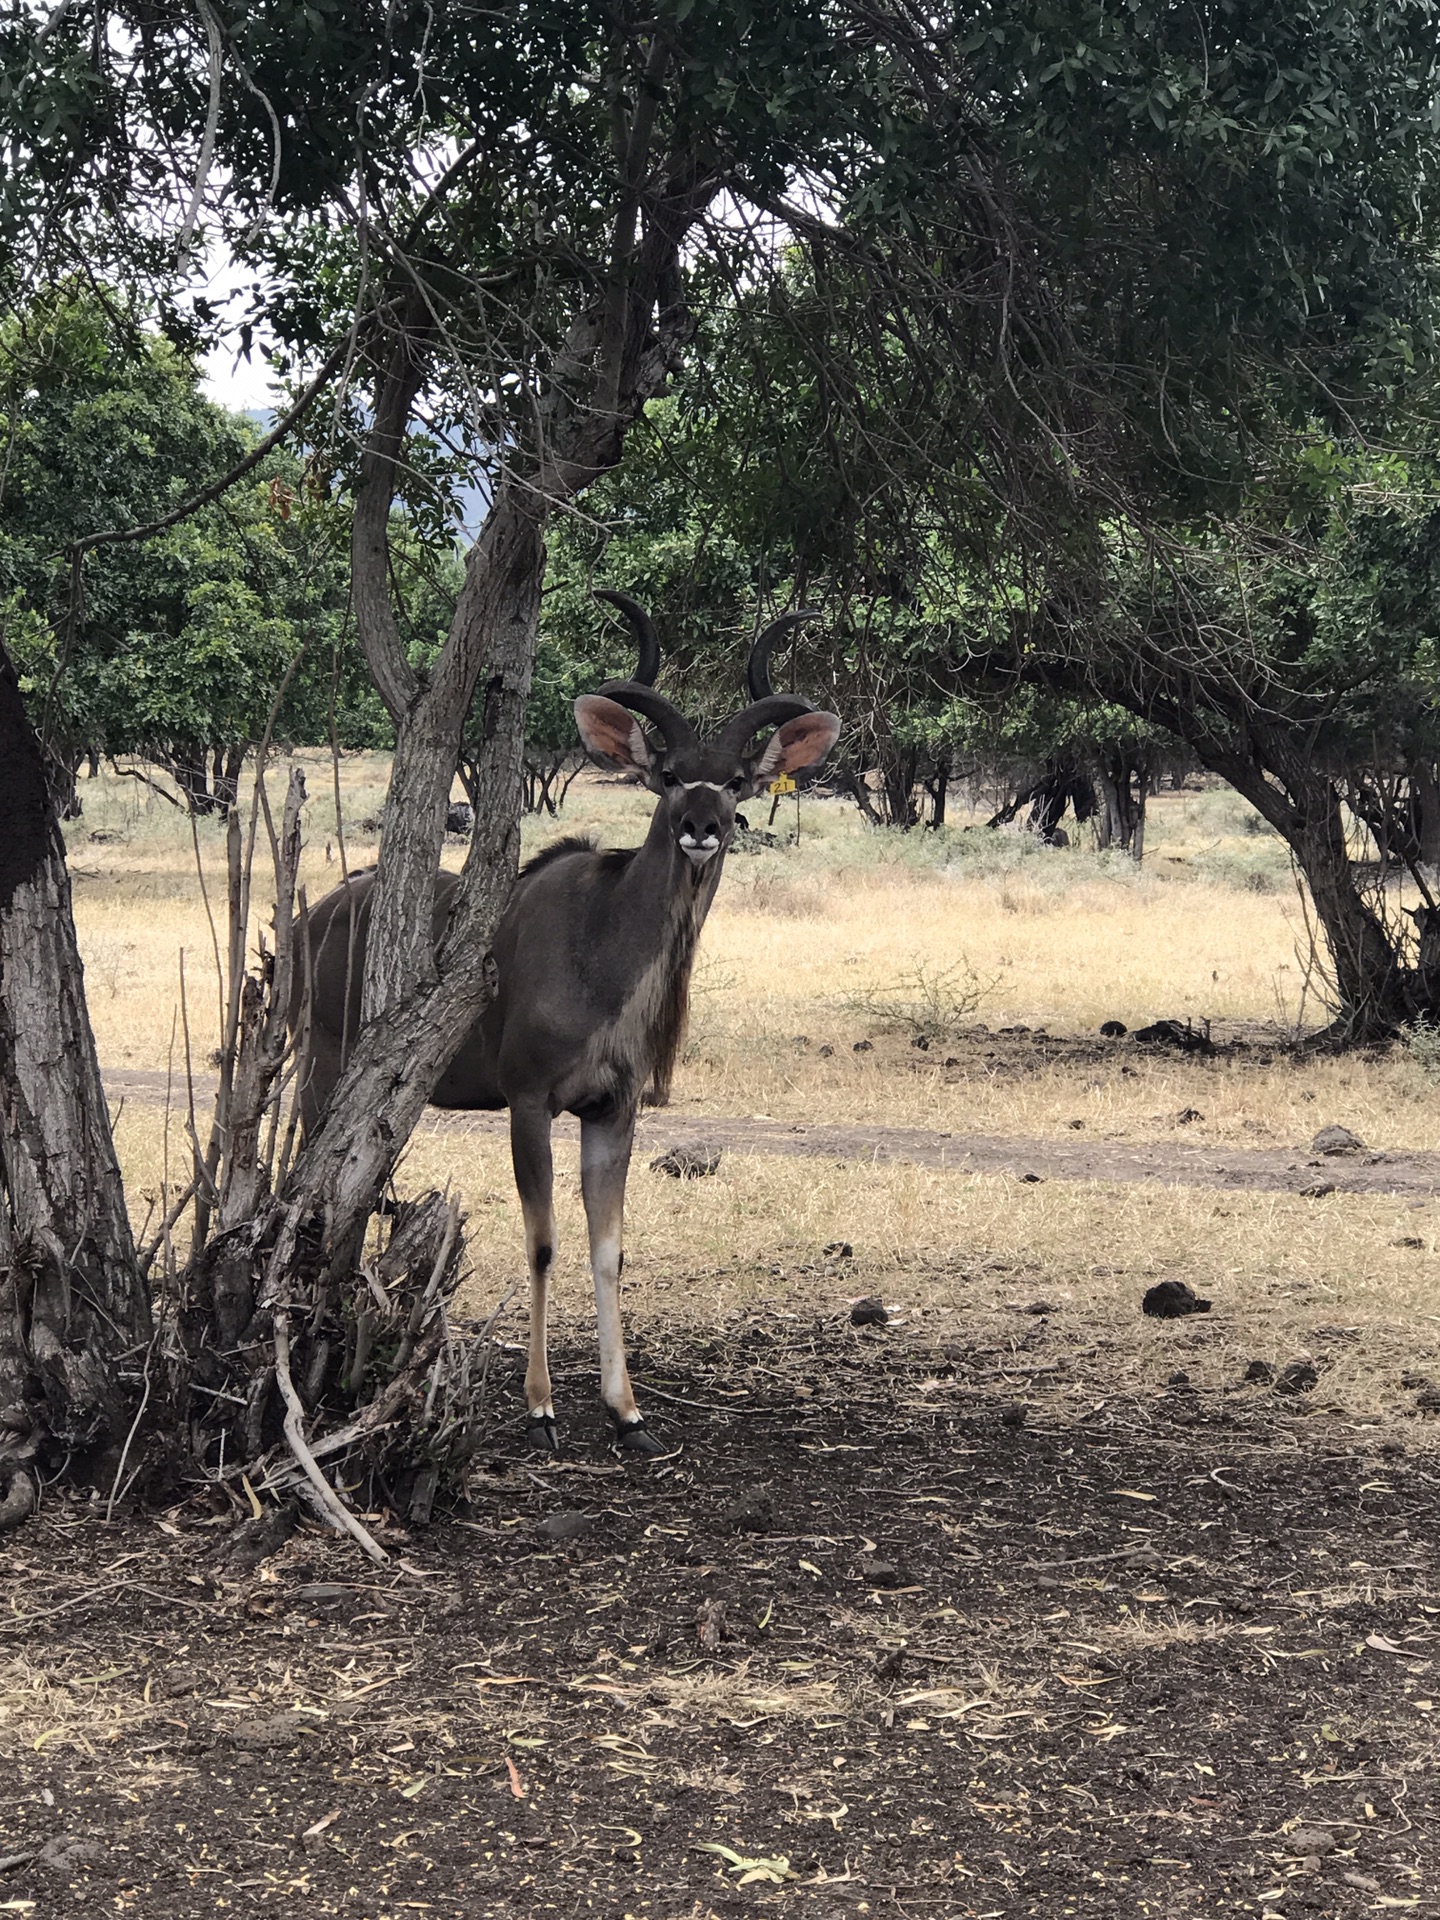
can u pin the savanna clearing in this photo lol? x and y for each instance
(1018, 1604)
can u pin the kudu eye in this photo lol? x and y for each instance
(737, 785)
(668, 779)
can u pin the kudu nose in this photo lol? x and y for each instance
(699, 835)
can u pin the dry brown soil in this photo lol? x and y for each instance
(987, 1639)
(1170, 1162)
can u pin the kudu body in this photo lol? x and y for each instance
(593, 960)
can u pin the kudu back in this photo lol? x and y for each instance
(593, 960)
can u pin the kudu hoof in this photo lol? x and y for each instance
(637, 1438)
(542, 1434)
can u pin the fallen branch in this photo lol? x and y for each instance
(371, 1419)
(295, 1434)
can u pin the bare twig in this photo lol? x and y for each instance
(432, 1286)
(215, 51)
(343, 1518)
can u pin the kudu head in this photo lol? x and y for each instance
(701, 782)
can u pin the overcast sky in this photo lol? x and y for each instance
(243, 386)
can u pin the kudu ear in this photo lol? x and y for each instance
(612, 735)
(799, 743)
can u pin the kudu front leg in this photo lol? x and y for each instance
(604, 1165)
(535, 1180)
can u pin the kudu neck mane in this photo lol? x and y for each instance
(661, 906)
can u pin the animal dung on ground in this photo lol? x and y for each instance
(1113, 1029)
(881, 1573)
(268, 1731)
(1013, 1415)
(1306, 1842)
(838, 1250)
(1299, 1377)
(1032, 1179)
(694, 1162)
(863, 1046)
(1317, 1190)
(1337, 1140)
(1259, 1373)
(1187, 1115)
(868, 1312)
(1411, 1240)
(752, 1513)
(1172, 1300)
(1040, 1308)
(1184, 1037)
(561, 1527)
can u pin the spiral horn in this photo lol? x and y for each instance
(638, 692)
(757, 667)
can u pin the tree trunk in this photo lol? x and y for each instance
(410, 1031)
(939, 788)
(1123, 778)
(1425, 787)
(1303, 805)
(417, 1005)
(187, 766)
(63, 769)
(1137, 830)
(850, 781)
(74, 1313)
(225, 783)
(897, 767)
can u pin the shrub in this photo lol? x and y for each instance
(1422, 1042)
(932, 1003)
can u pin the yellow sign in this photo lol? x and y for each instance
(783, 785)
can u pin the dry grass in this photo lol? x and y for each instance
(963, 1256)
(86, 1713)
(1058, 940)
(1061, 939)
(736, 1695)
(1066, 938)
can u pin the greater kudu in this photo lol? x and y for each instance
(593, 960)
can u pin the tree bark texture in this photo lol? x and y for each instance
(74, 1312)
(1123, 779)
(1303, 805)
(413, 1028)
(417, 1005)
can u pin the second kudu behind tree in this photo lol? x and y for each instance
(593, 960)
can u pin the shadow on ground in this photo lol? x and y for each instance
(900, 1630)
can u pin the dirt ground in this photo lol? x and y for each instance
(1031, 1157)
(907, 1625)
(1019, 1605)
